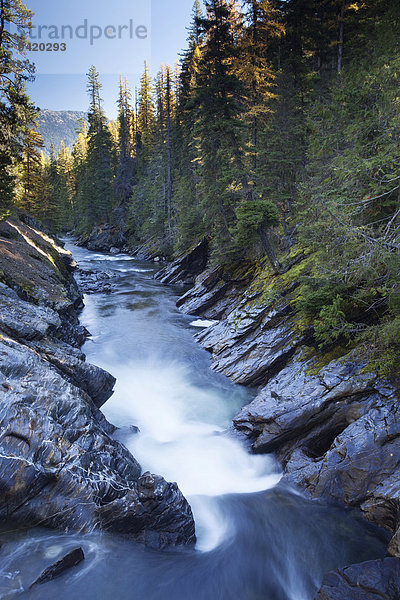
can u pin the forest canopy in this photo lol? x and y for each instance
(276, 135)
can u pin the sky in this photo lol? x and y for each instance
(117, 36)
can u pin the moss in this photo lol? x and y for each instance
(319, 360)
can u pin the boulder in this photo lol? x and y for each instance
(73, 558)
(372, 580)
(95, 282)
(104, 237)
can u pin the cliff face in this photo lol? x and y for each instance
(334, 427)
(59, 466)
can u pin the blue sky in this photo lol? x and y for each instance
(115, 35)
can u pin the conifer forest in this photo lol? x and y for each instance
(262, 168)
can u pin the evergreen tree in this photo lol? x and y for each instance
(31, 171)
(145, 110)
(97, 193)
(16, 111)
(124, 173)
(217, 102)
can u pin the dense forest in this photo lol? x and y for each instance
(277, 136)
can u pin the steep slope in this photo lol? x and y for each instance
(57, 126)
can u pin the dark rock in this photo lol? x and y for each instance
(217, 292)
(105, 237)
(70, 362)
(94, 282)
(373, 580)
(59, 466)
(186, 267)
(334, 428)
(252, 344)
(68, 561)
(336, 434)
(23, 320)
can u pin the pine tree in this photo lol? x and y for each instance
(124, 172)
(217, 99)
(31, 171)
(145, 110)
(79, 162)
(99, 178)
(17, 113)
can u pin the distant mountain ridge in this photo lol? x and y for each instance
(56, 126)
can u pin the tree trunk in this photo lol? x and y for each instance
(169, 153)
(341, 38)
(2, 23)
(269, 250)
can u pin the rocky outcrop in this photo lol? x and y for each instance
(59, 464)
(334, 427)
(217, 292)
(253, 341)
(184, 269)
(104, 237)
(336, 433)
(373, 580)
(93, 282)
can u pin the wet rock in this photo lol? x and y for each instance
(68, 561)
(94, 282)
(105, 237)
(23, 320)
(59, 465)
(216, 293)
(71, 363)
(373, 580)
(336, 434)
(252, 344)
(185, 268)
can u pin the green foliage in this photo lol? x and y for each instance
(17, 114)
(252, 215)
(260, 141)
(349, 209)
(331, 324)
(316, 295)
(380, 346)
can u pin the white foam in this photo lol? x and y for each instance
(179, 440)
(203, 323)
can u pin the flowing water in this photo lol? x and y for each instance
(257, 539)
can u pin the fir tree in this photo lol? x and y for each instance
(124, 173)
(99, 178)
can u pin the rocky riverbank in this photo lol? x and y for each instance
(59, 465)
(334, 427)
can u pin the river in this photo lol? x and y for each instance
(257, 538)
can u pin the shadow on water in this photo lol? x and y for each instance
(258, 540)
